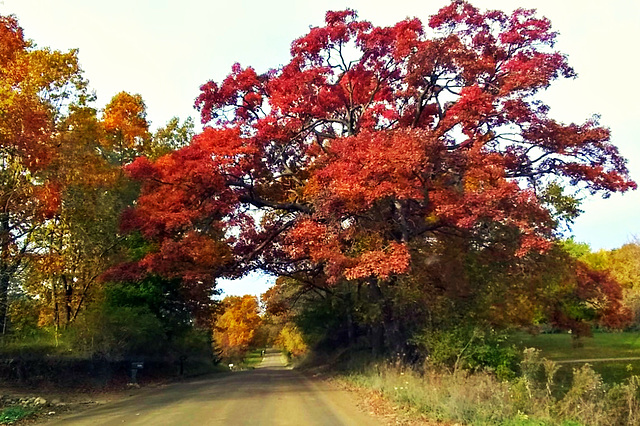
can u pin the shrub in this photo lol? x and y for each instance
(117, 332)
(470, 348)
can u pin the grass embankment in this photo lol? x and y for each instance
(563, 346)
(547, 391)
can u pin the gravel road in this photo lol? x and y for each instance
(269, 395)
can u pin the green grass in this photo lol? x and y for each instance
(9, 415)
(562, 346)
(252, 359)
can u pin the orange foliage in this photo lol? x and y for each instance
(125, 115)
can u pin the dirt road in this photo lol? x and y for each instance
(269, 395)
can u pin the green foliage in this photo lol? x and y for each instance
(118, 332)
(172, 137)
(24, 313)
(564, 208)
(160, 296)
(470, 348)
(321, 321)
(576, 249)
(10, 415)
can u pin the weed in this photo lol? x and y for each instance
(12, 414)
(532, 399)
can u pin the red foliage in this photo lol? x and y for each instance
(373, 140)
(594, 291)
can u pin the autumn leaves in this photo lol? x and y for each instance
(378, 156)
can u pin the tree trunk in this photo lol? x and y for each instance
(4, 298)
(376, 337)
(4, 270)
(56, 310)
(394, 341)
(376, 331)
(350, 328)
(68, 296)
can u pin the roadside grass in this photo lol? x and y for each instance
(252, 359)
(12, 414)
(479, 398)
(38, 343)
(549, 390)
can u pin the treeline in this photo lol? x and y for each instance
(63, 190)
(300, 319)
(444, 328)
(406, 185)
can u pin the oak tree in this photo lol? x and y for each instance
(374, 153)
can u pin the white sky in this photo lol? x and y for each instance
(164, 50)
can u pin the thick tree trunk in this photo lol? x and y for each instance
(394, 341)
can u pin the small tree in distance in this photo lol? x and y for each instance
(235, 328)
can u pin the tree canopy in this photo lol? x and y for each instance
(396, 179)
(373, 153)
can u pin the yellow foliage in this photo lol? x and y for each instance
(235, 329)
(291, 340)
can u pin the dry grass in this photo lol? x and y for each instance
(436, 397)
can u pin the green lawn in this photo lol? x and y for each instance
(252, 359)
(562, 347)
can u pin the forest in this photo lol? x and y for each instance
(406, 185)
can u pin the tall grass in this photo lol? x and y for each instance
(531, 399)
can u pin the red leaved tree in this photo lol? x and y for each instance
(369, 150)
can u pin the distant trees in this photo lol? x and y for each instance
(236, 326)
(62, 193)
(621, 265)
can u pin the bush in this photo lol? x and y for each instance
(470, 348)
(117, 332)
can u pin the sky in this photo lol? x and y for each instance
(164, 50)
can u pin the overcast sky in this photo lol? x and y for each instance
(164, 50)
